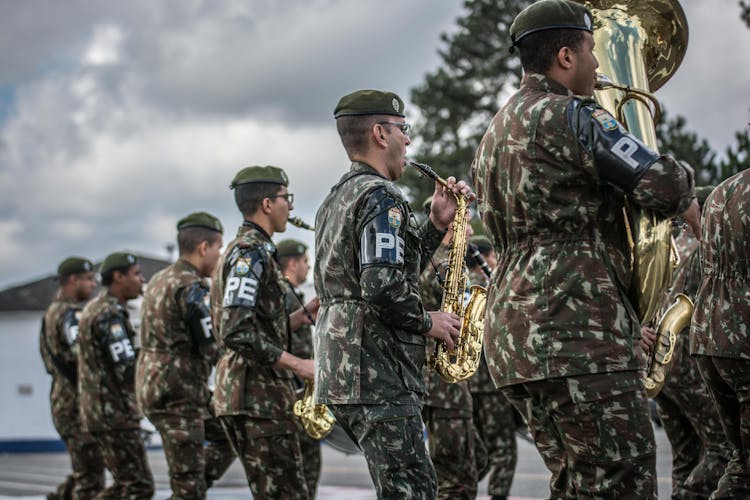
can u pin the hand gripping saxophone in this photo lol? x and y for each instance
(460, 362)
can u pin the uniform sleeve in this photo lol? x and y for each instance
(383, 278)
(430, 237)
(247, 276)
(653, 181)
(117, 347)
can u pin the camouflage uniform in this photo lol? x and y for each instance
(254, 399)
(684, 405)
(495, 420)
(302, 347)
(719, 332)
(58, 346)
(369, 342)
(106, 364)
(455, 448)
(172, 370)
(560, 332)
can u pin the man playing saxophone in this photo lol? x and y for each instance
(369, 342)
(551, 173)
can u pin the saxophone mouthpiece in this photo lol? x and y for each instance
(296, 221)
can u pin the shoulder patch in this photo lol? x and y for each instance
(243, 281)
(606, 120)
(394, 217)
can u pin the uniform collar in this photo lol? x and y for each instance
(364, 168)
(537, 81)
(248, 225)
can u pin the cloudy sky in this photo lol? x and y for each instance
(118, 118)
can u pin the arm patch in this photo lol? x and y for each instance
(70, 325)
(115, 339)
(242, 284)
(620, 157)
(198, 313)
(381, 240)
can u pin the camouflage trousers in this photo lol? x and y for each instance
(270, 454)
(728, 381)
(394, 448)
(456, 450)
(593, 433)
(125, 457)
(192, 467)
(311, 461)
(700, 451)
(87, 478)
(494, 420)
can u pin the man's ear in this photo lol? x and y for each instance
(265, 205)
(378, 134)
(203, 248)
(565, 57)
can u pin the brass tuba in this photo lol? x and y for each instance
(460, 362)
(639, 45)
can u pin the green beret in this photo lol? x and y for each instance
(201, 219)
(369, 102)
(702, 192)
(267, 173)
(74, 265)
(117, 260)
(550, 14)
(482, 242)
(290, 248)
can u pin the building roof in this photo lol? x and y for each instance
(37, 295)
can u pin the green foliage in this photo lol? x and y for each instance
(745, 12)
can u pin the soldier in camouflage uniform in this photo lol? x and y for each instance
(59, 347)
(292, 256)
(719, 332)
(551, 173)
(494, 416)
(106, 378)
(455, 447)
(700, 451)
(177, 353)
(255, 386)
(370, 337)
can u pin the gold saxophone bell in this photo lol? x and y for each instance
(462, 361)
(296, 221)
(317, 420)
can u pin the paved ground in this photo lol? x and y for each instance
(344, 477)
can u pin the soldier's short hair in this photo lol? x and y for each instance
(249, 196)
(354, 131)
(108, 275)
(189, 238)
(538, 50)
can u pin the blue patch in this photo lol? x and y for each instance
(394, 217)
(606, 120)
(242, 267)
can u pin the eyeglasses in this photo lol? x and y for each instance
(405, 127)
(289, 197)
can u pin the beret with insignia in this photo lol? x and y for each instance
(266, 173)
(201, 219)
(482, 242)
(74, 265)
(117, 260)
(290, 248)
(547, 15)
(369, 102)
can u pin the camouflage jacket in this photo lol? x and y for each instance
(440, 394)
(302, 340)
(722, 306)
(550, 173)
(106, 367)
(177, 346)
(369, 339)
(252, 329)
(58, 346)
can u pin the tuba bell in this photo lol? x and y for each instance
(639, 45)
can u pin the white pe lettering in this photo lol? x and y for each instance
(624, 149)
(247, 289)
(121, 350)
(384, 241)
(206, 326)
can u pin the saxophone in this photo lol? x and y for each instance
(639, 45)
(317, 420)
(460, 362)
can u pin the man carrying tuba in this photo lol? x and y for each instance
(551, 173)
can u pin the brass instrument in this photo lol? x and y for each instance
(460, 362)
(296, 221)
(672, 322)
(317, 420)
(639, 45)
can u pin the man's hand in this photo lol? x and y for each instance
(299, 318)
(693, 217)
(648, 338)
(303, 368)
(445, 327)
(443, 208)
